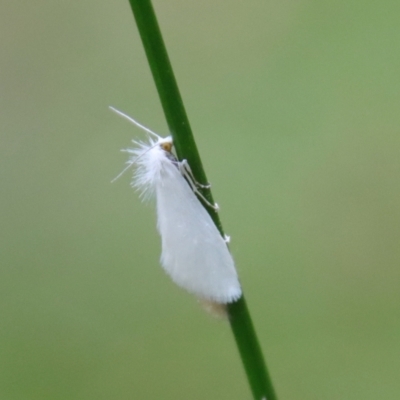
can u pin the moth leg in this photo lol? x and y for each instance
(184, 165)
(185, 170)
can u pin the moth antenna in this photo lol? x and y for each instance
(133, 161)
(130, 119)
(123, 171)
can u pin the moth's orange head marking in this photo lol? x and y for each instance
(166, 146)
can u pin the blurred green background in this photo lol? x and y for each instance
(296, 110)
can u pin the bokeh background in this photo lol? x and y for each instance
(295, 106)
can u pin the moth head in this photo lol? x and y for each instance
(166, 144)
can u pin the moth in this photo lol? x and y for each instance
(194, 254)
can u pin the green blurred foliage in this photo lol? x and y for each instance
(295, 107)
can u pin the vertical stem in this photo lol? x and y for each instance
(178, 123)
(250, 351)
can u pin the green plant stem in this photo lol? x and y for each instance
(178, 123)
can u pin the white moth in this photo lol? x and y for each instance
(194, 254)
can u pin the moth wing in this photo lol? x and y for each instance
(193, 251)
